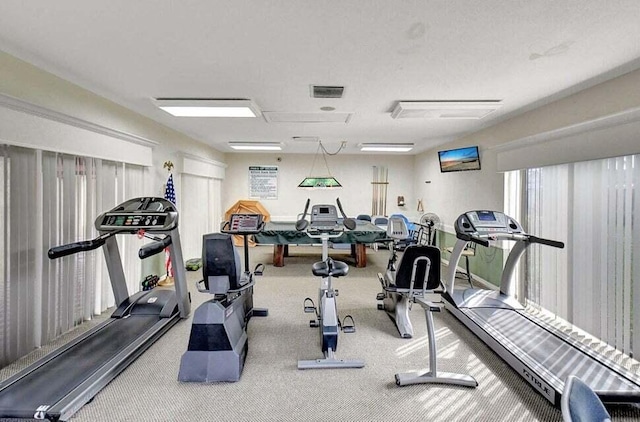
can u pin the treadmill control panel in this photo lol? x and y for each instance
(149, 213)
(484, 222)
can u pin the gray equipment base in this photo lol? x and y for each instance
(218, 343)
(431, 375)
(330, 362)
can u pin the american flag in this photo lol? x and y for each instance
(169, 195)
(169, 191)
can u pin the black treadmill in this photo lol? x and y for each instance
(539, 352)
(59, 384)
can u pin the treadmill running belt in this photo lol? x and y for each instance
(545, 353)
(54, 380)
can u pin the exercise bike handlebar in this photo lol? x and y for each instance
(153, 248)
(75, 247)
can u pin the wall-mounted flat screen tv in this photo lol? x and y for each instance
(460, 159)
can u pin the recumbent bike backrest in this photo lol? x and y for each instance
(405, 268)
(221, 265)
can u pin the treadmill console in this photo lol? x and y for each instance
(487, 223)
(153, 214)
(324, 217)
(244, 224)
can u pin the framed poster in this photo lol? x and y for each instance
(263, 182)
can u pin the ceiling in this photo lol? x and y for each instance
(523, 52)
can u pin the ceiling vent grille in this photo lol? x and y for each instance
(323, 91)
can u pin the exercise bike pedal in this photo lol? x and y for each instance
(380, 296)
(348, 328)
(314, 323)
(258, 270)
(309, 306)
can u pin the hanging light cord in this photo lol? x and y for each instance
(324, 156)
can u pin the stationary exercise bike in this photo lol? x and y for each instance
(324, 225)
(218, 343)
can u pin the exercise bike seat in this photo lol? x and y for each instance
(330, 268)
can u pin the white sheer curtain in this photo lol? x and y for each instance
(196, 217)
(49, 199)
(594, 282)
(19, 289)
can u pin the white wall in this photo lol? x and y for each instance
(26, 82)
(450, 194)
(353, 172)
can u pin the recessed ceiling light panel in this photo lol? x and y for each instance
(373, 147)
(294, 117)
(444, 109)
(256, 146)
(208, 107)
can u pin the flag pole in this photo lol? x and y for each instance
(169, 195)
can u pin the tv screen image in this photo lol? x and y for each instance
(460, 159)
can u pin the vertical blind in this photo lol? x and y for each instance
(49, 199)
(594, 283)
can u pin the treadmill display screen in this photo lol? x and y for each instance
(486, 216)
(323, 210)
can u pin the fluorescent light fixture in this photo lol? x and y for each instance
(256, 146)
(320, 182)
(208, 107)
(386, 147)
(468, 109)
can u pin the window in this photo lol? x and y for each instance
(594, 282)
(49, 199)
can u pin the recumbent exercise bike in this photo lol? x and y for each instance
(417, 274)
(218, 343)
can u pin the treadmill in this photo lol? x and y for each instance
(59, 384)
(539, 352)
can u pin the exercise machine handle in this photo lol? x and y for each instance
(548, 242)
(303, 223)
(153, 248)
(469, 238)
(349, 223)
(75, 247)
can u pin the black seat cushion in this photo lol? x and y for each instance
(338, 268)
(403, 275)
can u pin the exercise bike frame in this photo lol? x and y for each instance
(327, 316)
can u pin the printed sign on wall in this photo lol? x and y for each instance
(263, 182)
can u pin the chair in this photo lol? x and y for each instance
(418, 275)
(579, 403)
(382, 222)
(364, 217)
(469, 250)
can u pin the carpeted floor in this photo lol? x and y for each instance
(273, 389)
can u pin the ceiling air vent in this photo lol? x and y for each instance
(323, 91)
